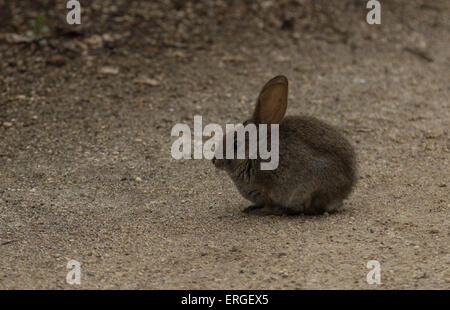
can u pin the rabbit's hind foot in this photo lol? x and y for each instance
(264, 210)
(319, 207)
(271, 210)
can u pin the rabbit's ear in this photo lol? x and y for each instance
(272, 101)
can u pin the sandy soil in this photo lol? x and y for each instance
(86, 171)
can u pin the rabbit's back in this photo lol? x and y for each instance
(316, 161)
(320, 137)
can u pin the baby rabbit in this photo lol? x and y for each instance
(317, 165)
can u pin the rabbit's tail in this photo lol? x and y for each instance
(348, 159)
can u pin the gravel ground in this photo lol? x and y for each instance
(86, 171)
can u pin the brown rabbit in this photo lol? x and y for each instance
(317, 165)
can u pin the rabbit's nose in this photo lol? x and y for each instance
(216, 162)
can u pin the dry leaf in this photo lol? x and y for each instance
(147, 81)
(109, 70)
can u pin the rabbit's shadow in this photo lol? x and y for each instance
(255, 211)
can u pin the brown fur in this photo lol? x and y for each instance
(317, 165)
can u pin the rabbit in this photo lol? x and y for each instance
(317, 165)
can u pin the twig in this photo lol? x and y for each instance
(419, 53)
(8, 242)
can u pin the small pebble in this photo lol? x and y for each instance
(57, 60)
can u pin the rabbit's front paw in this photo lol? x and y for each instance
(264, 210)
(251, 209)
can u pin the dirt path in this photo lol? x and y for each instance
(85, 165)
